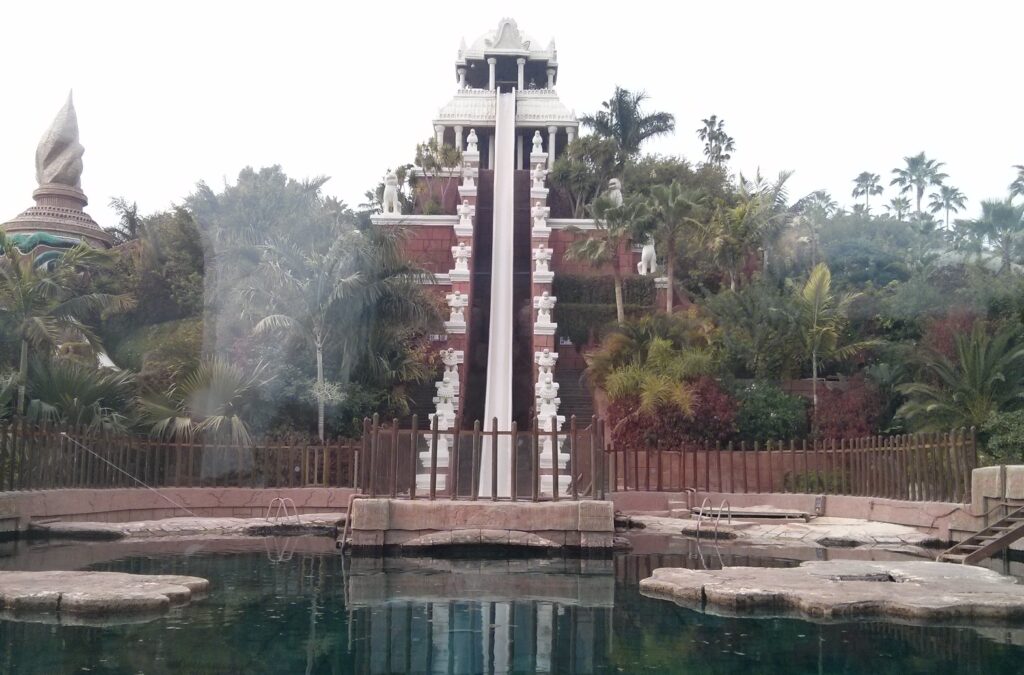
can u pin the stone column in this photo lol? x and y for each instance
(570, 132)
(551, 78)
(439, 134)
(551, 145)
(521, 63)
(490, 72)
(462, 77)
(490, 150)
(458, 137)
(519, 151)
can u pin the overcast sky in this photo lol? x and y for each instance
(176, 92)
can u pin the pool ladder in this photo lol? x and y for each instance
(718, 515)
(282, 504)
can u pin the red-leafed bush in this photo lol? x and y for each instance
(712, 419)
(940, 333)
(848, 413)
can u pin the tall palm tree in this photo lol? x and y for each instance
(623, 120)
(898, 206)
(985, 376)
(918, 175)
(1017, 186)
(44, 305)
(867, 184)
(948, 199)
(300, 283)
(616, 227)
(130, 224)
(718, 145)
(70, 393)
(675, 210)
(821, 318)
(736, 232)
(1002, 225)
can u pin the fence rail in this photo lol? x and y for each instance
(431, 463)
(918, 467)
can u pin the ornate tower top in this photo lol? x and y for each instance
(59, 214)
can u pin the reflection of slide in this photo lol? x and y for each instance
(498, 401)
(472, 616)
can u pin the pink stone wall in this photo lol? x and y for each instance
(430, 246)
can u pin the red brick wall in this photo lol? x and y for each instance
(560, 240)
(431, 247)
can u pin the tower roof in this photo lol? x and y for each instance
(508, 40)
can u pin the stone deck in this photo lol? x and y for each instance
(325, 524)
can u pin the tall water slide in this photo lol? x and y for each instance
(498, 401)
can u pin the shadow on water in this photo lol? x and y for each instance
(294, 605)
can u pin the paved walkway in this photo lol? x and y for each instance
(326, 524)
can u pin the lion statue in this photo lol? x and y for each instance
(648, 259)
(391, 204)
(614, 193)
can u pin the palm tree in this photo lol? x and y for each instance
(985, 376)
(867, 184)
(674, 209)
(300, 284)
(616, 227)
(717, 144)
(207, 402)
(43, 305)
(1002, 225)
(917, 176)
(948, 199)
(130, 224)
(898, 206)
(736, 232)
(821, 317)
(623, 120)
(1017, 186)
(64, 392)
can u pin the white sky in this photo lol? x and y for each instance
(171, 93)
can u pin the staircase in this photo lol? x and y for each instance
(988, 541)
(480, 313)
(574, 393)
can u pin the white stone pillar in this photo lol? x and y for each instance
(458, 137)
(519, 151)
(551, 145)
(570, 132)
(551, 78)
(521, 63)
(462, 77)
(490, 148)
(490, 72)
(439, 134)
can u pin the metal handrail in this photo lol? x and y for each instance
(725, 503)
(282, 504)
(700, 513)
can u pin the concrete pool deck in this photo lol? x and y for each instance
(844, 589)
(324, 524)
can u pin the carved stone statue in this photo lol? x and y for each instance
(540, 216)
(648, 259)
(538, 144)
(457, 302)
(391, 204)
(544, 303)
(59, 154)
(461, 254)
(614, 193)
(538, 174)
(465, 212)
(471, 141)
(545, 360)
(451, 360)
(541, 258)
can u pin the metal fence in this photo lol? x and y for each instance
(918, 467)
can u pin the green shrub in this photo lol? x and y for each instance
(767, 413)
(1004, 434)
(158, 351)
(600, 290)
(583, 322)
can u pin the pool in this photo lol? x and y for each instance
(287, 605)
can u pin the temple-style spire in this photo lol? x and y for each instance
(59, 155)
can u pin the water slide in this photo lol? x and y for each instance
(498, 401)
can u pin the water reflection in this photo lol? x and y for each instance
(463, 616)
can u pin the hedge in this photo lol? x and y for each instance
(600, 290)
(582, 322)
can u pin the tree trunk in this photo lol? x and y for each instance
(22, 376)
(814, 390)
(320, 389)
(620, 305)
(670, 269)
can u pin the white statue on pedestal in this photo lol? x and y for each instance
(390, 200)
(465, 211)
(445, 399)
(538, 144)
(545, 361)
(648, 259)
(538, 174)
(541, 258)
(615, 192)
(471, 141)
(457, 302)
(540, 216)
(461, 254)
(544, 303)
(547, 400)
